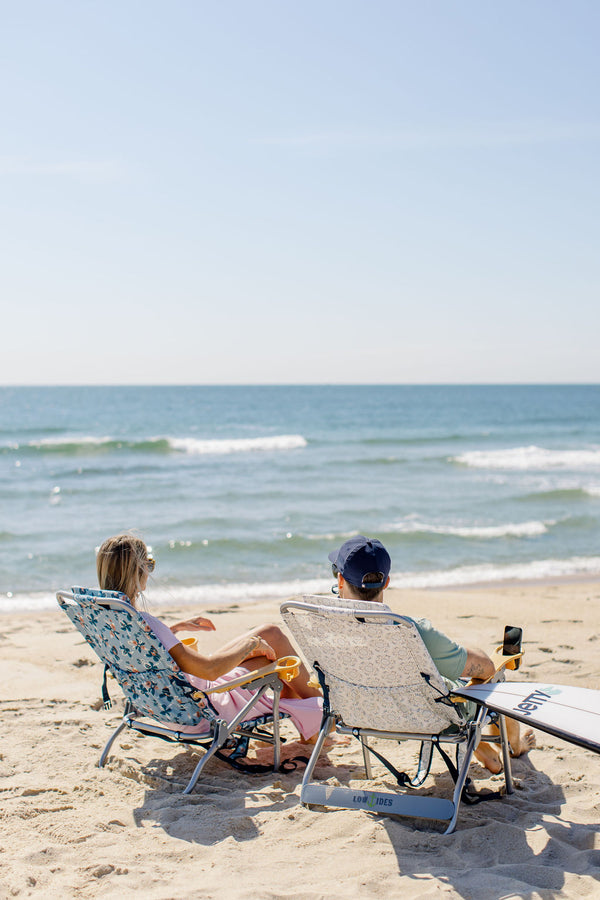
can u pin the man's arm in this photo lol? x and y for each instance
(478, 665)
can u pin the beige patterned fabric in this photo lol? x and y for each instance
(377, 670)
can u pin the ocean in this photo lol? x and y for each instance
(242, 491)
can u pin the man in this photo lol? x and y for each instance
(362, 568)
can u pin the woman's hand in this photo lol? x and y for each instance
(261, 648)
(198, 624)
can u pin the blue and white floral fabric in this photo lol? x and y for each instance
(146, 672)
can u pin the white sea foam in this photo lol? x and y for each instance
(198, 447)
(483, 532)
(38, 601)
(208, 596)
(194, 446)
(536, 570)
(205, 595)
(336, 537)
(525, 458)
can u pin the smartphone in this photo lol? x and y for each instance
(513, 636)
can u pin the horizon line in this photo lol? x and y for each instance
(304, 384)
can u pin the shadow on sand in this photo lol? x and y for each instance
(517, 846)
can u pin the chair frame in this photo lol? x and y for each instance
(466, 739)
(219, 732)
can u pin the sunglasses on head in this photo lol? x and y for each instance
(150, 564)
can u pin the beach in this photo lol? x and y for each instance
(69, 829)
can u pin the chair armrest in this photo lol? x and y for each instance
(286, 669)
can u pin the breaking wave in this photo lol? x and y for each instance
(87, 445)
(528, 458)
(480, 532)
(536, 570)
(238, 445)
(219, 595)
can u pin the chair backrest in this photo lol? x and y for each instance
(376, 668)
(338, 602)
(145, 670)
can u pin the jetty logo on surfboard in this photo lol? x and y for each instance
(537, 698)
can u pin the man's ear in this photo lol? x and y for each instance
(340, 582)
(387, 582)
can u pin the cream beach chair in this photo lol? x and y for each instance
(159, 699)
(379, 682)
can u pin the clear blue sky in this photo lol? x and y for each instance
(263, 192)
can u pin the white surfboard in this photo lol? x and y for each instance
(570, 713)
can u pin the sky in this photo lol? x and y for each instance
(267, 191)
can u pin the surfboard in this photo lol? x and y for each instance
(570, 713)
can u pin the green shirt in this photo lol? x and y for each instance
(449, 657)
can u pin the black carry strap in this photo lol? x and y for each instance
(442, 698)
(324, 688)
(105, 695)
(401, 777)
(469, 794)
(287, 765)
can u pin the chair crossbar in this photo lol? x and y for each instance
(378, 801)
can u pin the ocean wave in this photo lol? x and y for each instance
(209, 596)
(422, 439)
(196, 446)
(480, 532)
(204, 596)
(574, 493)
(86, 445)
(536, 570)
(528, 458)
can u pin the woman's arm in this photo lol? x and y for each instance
(216, 664)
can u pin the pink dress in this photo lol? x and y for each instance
(305, 714)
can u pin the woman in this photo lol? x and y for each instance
(124, 564)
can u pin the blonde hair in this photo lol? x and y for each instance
(120, 563)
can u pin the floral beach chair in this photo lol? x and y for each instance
(159, 699)
(380, 683)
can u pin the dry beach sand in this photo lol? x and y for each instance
(69, 829)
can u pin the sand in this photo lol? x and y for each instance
(69, 829)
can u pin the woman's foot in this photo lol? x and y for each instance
(488, 757)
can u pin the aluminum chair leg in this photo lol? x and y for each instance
(110, 741)
(221, 734)
(224, 730)
(463, 772)
(508, 778)
(277, 743)
(366, 757)
(326, 727)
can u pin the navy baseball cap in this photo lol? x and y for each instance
(362, 556)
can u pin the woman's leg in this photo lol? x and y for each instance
(282, 646)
